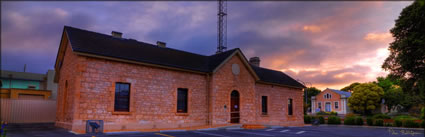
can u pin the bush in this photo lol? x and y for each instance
(379, 122)
(403, 117)
(423, 124)
(327, 113)
(334, 120)
(410, 123)
(423, 113)
(388, 124)
(381, 116)
(369, 121)
(359, 121)
(349, 121)
(398, 123)
(307, 119)
(351, 115)
(321, 120)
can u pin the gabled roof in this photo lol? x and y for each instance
(345, 93)
(92, 43)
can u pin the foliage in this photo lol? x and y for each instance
(404, 117)
(311, 91)
(423, 124)
(388, 124)
(327, 113)
(407, 54)
(351, 115)
(365, 98)
(381, 116)
(394, 97)
(321, 120)
(359, 120)
(307, 119)
(410, 123)
(398, 122)
(369, 121)
(349, 121)
(334, 120)
(350, 87)
(423, 113)
(379, 122)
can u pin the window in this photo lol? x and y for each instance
(320, 105)
(290, 107)
(122, 97)
(181, 100)
(264, 105)
(336, 105)
(324, 96)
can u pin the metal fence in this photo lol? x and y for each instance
(27, 111)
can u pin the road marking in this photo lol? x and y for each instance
(164, 135)
(210, 134)
(300, 132)
(269, 129)
(251, 133)
(284, 131)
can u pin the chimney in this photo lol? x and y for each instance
(116, 34)
(161, 44)
(255, 61)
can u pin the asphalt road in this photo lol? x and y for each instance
(308, 131)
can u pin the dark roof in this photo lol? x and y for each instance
(273, 76)
(105, 45)
(347, 94)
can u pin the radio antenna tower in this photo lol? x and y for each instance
(222, 26)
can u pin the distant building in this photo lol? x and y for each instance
(25, 85)
(331, 100)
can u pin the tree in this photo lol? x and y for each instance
(394, 97)
(365, 98)
(350, 87)
(311, 91)
(407, 51)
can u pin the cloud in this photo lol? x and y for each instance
(327, 43)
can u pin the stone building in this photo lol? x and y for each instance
(133, 85)
(331, 100)
(26, 85)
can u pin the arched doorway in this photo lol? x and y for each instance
(234, 107)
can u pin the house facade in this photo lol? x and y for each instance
(133, 85)
(331, 100)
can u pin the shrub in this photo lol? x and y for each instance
(423, 114)
(349, 121)
(334, 120)
(321, 120)
(379, 122)
(327, 113)
(351, 115)
(423, 124)
(398, 123)
(359, 121)
(307, 119)
(369, 121)
(388, 124)
(410, 123)
(381, 116)
(403, 117)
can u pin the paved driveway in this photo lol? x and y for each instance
(309, 131)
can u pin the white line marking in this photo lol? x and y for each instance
(300, 132)
(211, 134)
(251, 133)
(269, 129)
(284, 131)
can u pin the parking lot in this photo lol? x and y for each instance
(307, 131)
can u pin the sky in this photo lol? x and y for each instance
(329, 44)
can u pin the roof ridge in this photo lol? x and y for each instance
(130, 39)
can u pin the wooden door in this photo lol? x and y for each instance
(234, 107)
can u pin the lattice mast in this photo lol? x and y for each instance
(222, 26)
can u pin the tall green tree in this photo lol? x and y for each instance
(407, 51)
(365, 98)
(350, 87)
(311, 91)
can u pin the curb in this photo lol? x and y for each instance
(207, 129)
(401, 128)
(165, 131)
(122, 132)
